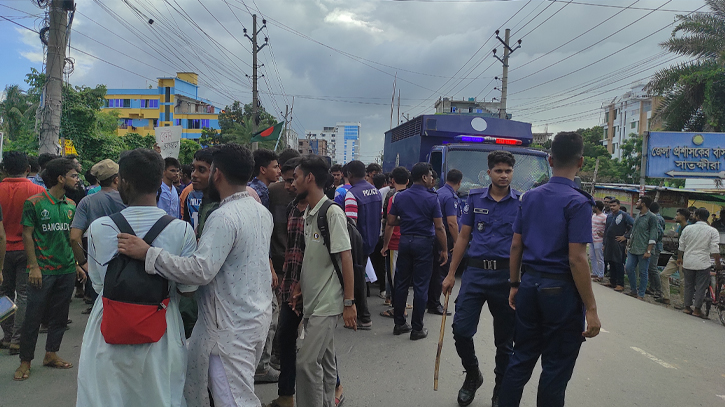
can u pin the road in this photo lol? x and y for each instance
(646, 355)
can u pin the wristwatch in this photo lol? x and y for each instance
(348, 303)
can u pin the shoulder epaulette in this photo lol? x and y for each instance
(477, 191)
(586, 195)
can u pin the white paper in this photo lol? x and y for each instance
(370, 275)
(169, 139)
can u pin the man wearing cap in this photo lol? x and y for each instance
(105, 202)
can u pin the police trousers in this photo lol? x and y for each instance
(549, 324)
(479, 286)
(415, 265)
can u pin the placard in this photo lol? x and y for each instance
(169, 140)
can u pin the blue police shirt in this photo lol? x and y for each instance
(552, 216)
(417, 206)
(491, 223)
(450, 202)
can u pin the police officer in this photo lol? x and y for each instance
(554, 295)
(451, 210)
(420, 222)
(487, 223)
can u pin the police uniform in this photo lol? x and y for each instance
(450, 206)
(486, 280)
(417, 206)
(549, 310)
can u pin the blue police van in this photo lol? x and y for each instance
(463, 142)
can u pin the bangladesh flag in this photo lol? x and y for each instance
(270, 133)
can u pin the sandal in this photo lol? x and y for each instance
(57, 363)
(389, 313)
(22, 373)
(339, 400)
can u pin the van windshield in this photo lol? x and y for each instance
(530, 170)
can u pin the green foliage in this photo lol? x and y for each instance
(236, 125)
(694, 92)
(187, 150)
(135, 140)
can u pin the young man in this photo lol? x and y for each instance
(391, 236)
(14, 190)
(341, 191)
(617, 228)
(418, 213)
(185, 177)
(106, 202)
(451, 210)
(52, 269)
(193, 195)
(641, 245)
(698, 243)
(266, 171)
(681, 218)
(364, 205)
(596, 249)
(231, 264)
(336, 172)
(323, 298)
(371, 171)
(119, 375)
(551, 233)
(43, 159)
(79, 191)
(653, 273)
(168, 198)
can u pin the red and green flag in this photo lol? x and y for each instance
(270, 133)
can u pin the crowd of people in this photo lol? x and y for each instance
(253, 248)
(636, 245)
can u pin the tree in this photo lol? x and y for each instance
(236, 124)
(187, 150)
(694, 92)
(16, 111)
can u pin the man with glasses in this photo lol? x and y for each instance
(52, 268)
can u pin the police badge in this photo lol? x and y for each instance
(481, 226)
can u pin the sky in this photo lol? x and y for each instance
(337, 60)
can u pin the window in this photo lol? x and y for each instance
(197, 123)
(177, 122)
(150, 103)
(633, 125)
(118, 102)
(204, 123)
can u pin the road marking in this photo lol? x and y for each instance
(653, 358)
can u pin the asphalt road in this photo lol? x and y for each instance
(646, 355)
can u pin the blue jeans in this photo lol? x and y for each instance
(634, 260)
(478, 287)
(549, 324)
(415, 266)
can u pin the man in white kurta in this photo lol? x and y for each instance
(231, 264)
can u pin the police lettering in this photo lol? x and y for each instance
(370, 192)
(53, 227)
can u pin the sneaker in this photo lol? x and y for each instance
(382, 295)
(619, 288)
(474, 380)
(274, 362)
(270, 376)
(415, 335)
(402, 329)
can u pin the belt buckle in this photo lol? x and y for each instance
(490, 264)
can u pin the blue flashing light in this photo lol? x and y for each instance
(472, 139)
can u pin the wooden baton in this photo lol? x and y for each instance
(440, 342)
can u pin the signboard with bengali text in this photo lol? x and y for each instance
(169, 139)
(685, 155)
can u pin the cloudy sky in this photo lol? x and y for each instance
(338, 58)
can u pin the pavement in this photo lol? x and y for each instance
(646, 355)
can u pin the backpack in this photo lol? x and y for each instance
(359, 259)
(134, 302)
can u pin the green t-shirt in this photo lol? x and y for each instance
(51, 220)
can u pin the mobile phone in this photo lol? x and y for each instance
(7, 307)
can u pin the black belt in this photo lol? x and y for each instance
(489, 264)
(552, 276)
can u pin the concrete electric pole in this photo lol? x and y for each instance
(255, 93)
(52, 96)
(507, 51)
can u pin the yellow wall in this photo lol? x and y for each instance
(190, 77)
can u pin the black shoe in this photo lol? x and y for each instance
(402, 329)
(474, 380)
(494, 401)
(415, 335)
(438, 310)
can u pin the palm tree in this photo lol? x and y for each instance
(14, 111)
(694, 92)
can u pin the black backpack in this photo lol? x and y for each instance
(134, 302)
(359, 258)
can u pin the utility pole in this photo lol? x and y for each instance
(255, 93)
(284, 132)
(52, 98)
(507, 51)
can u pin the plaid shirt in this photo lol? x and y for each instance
(293, 254)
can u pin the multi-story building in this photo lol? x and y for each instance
(541, 138)
(312, 146)
(174, 102)
(628, 114)
(467, 106)
(342, 141)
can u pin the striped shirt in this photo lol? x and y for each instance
(598, 223)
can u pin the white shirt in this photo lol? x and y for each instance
(231, 265)
(151, 374)
(697, 242)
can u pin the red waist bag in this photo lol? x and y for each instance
(134, 302)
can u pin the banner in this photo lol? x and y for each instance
(70, 148)
(169, 140)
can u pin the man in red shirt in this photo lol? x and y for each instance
(14, 190)
(391, 237)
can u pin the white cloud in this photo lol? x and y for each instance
(347, 18)
(33, 51)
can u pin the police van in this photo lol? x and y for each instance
(463, 142)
